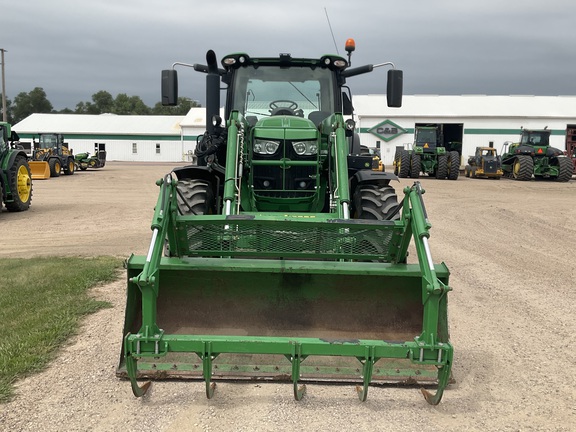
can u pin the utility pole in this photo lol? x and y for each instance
(4, 113)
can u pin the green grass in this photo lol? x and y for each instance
(41, 303)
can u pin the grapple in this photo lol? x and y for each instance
(287, 296)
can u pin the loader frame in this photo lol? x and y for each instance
(220, 240)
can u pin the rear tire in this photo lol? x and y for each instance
(522, 168)
(70, 168)
(442, 168)
(453, 165)
(415, 166)
(565, 169)
(20, 184)
(404, 168)
(467, 171)
(375, 202)
(195, 197)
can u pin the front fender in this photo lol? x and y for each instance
(371, 177)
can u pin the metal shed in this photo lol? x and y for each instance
(125, 138)
(473, 120)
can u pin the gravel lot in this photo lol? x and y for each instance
(506, 243)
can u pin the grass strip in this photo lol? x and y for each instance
(42, 301)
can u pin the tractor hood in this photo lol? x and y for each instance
(285, 127)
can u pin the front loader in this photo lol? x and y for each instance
(279, 256)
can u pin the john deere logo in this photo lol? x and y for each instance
(387, 130)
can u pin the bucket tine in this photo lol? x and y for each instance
(131, 368)
(443, 378)
(207, 370)
(296, 359)
(368, 363)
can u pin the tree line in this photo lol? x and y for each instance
(36, 101)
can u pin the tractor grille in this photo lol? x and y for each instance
(248, 237)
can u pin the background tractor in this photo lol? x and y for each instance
(533, 156)
(84, 161)
(50, 156)
(15, 176)
(485, 163)
(428, 155)
(282, 255)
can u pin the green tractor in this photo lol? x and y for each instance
(15, 176)
(283, 255)
(533, 156)
(428, 155)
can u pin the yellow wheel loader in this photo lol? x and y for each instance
(50, 157)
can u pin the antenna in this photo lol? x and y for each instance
(331, 32)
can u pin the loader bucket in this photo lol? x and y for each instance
(247, 298)
(39, 170)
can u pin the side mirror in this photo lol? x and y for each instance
(169, 87)
(394, 88)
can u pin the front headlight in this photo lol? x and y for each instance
(265, 147)
(305, 148)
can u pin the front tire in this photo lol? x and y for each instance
(55, 167)
(195, 197)
(453, 165)
(415, 166)
(404, 167)
(20, 185)
(375, 202)
(522, 168)
(565, 169)
(442, 168)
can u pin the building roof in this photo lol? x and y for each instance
(514, 106)
(100, 124)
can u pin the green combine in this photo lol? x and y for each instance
(280, 256)
(15, 176)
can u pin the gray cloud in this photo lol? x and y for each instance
(74, 49)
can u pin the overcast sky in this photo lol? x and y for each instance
(73, 49)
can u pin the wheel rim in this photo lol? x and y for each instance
(57, 167)
(24, 184)
(516, 169)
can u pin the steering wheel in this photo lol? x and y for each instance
(284, 110)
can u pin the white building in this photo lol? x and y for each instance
(470, 120)
(474, 120)
(125, 138)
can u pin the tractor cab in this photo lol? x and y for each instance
(427, 139)
(539, 138)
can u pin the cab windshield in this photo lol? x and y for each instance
(266, 90)
(536, 138)
(426, 136)
(47, 141)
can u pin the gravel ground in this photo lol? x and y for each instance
(506, 244)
